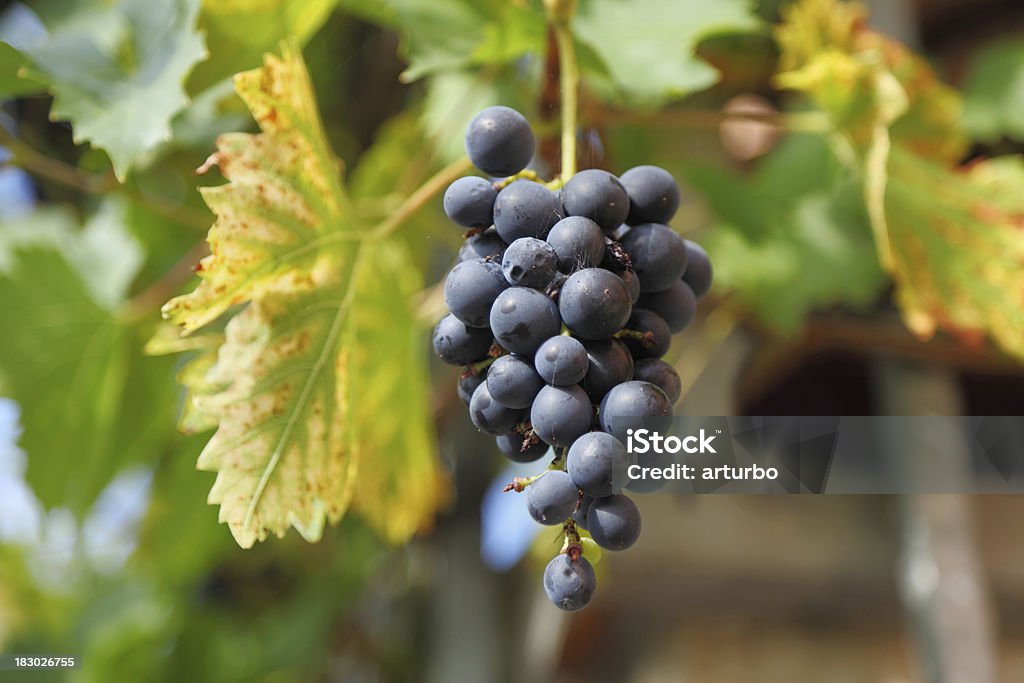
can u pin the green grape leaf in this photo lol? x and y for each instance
(72, 352)
(649, 46)
(792, 237)
(117, 73)
(65, 360)
(300, 388)
(238, 32)
(13, 69)
(446, 35)
(994, 93)
(452, 100)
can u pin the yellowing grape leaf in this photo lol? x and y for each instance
(864, 79)
(951, 239)
(319, 378)
(957, 240)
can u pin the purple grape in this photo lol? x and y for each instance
(499, 141)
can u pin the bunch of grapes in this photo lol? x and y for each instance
(564, 300)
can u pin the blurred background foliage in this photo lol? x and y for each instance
(835, 178)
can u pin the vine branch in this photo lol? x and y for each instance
(37, 163)
(560, 15)
(418, 199)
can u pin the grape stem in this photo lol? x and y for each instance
(559, 461)
(482, 365)
(519, 484)
(572, 538)
(560, 14)
(526, 173)
(631, 334)
(418, 199)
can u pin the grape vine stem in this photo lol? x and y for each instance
(569, 76)
(37, 163)
(418, 199)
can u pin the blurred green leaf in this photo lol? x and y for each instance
(12, 67)
(180, 541)
(117, 72)
(446, 35)
(376, 11)
(994, 93)
(403, 488)
(68, 364)
(649, 46)
(452, 100)
(794, 237)
(214, 111)
(238, 32)
(400, 160)
(124, 632)
(76, 358)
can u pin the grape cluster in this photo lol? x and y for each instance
(561, 306)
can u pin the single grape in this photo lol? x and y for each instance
(470, 289)
(513, 382)
(560, 415)
(511, 445)
(456, 343)
(529, 262)
(594, 303)
(561, 361)
(653, 194)
(597, 195)
(499, 141)
(578, 243)
(597, 463)
(632, 285)
(609, 364)
(490, 416)
(676, 305)
(525, 209)
(633, 405)
(552, 498)
(468, 382)
(658, 255)
(485, 245)
(660, 374)
(580, 516)
(568, 583)
(657, 337)
(522, 318)
(469, 202)
(614, 522)
(699, 273)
